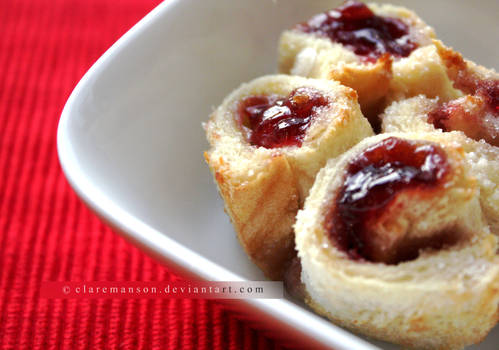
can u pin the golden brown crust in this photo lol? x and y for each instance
(370, 81)
(465, 74)
(262, 211)
(454, 62)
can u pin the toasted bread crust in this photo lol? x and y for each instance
(263, 212)
(371, 82)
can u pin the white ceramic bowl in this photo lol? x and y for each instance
(130, 139)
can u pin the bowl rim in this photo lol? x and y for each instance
(175, 255)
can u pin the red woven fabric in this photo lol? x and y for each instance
(46, 233)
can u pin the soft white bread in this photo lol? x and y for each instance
(445, 298)
(264, 187)
(421, 73)
(389, 77)
(481, 158)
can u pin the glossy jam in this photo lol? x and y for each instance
(274, 121)
(354, 25)
(372, 181)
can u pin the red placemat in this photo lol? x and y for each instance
(46, 233)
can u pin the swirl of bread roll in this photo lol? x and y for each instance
(393, 244)
(269, 138)
(472, 120)
(381, 51)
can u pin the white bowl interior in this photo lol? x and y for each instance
(133, 127)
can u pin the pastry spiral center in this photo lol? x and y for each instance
(354, 25)
(373, 181)
(273, 121)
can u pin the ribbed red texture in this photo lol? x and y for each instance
(46, 233)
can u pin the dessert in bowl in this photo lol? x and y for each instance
(365, 177)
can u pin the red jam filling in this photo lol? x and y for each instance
(453, 115)
(440, 116)
(372, 182)
(273, 121)
(354, 25)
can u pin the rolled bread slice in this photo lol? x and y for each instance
(393, 245)
(381, 51)
(421, 114)
(268, 139)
